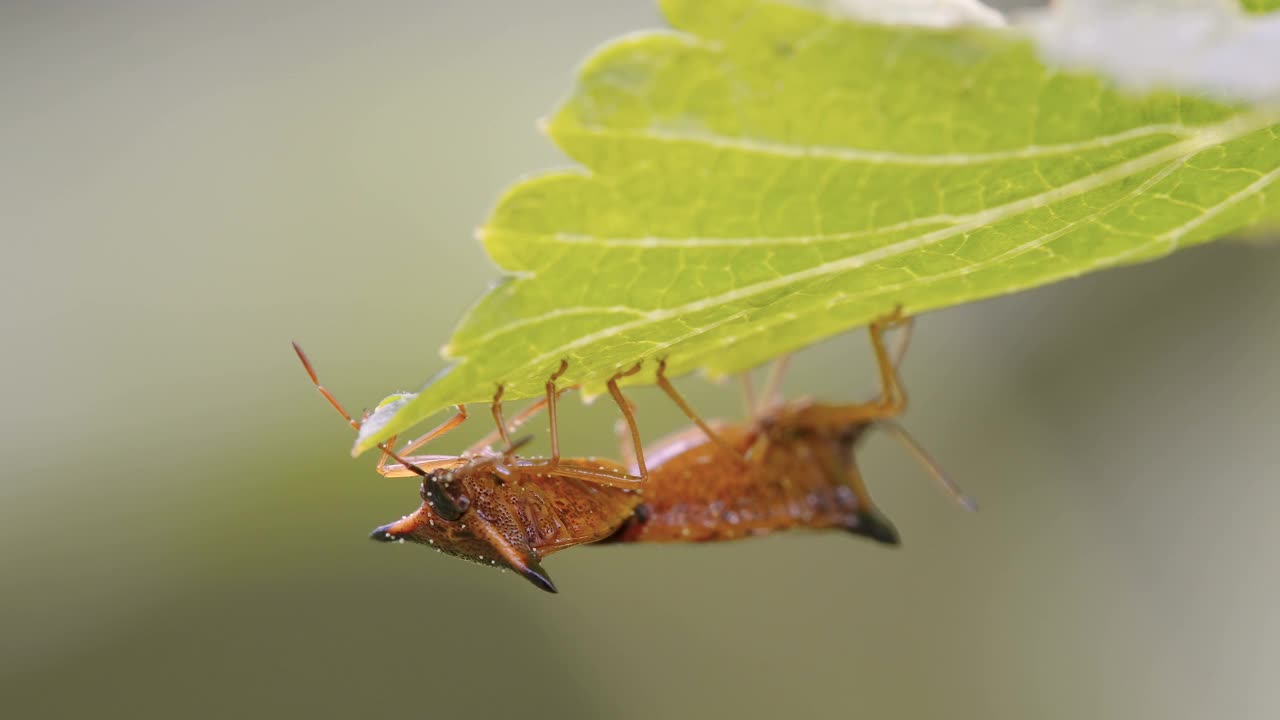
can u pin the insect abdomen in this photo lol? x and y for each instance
(702, 494)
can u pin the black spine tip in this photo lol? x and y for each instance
(539, 577)
(871, 524)
(381, 535)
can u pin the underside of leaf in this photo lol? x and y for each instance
(769, 175)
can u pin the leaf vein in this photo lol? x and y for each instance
(1206, 138)
(887, 157)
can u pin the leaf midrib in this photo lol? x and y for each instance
(883, 157)
(1207, 137)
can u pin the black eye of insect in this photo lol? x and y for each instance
(448, 505)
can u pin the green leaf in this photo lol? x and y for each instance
(769, 176)
(1260, 6)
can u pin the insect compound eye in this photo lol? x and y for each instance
(448, 505)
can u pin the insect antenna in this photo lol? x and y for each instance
(311, 371)
(519, 443)
(443, 428)
(417, 470)
(930, 465)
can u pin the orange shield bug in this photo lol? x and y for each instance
(790, 465)
(502, 510)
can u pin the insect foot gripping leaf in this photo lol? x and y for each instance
(773, 173)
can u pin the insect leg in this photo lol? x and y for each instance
(598, 475)
(679, 400)
(904, 340)
(444, 427)
(496, 410)
(626, 446)
(748, 394)
(625, 406)
(552, 395)
(422, 462)
(891, 392)
(381, 467)
(891, 402)
(515, 423)
(772, 394)
(406, 467)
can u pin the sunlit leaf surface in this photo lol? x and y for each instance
(768, 175)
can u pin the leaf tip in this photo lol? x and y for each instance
(379, 425)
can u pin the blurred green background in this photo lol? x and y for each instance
(185, 187)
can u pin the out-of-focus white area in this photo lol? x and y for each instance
(930, 13)
(1205, 46)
